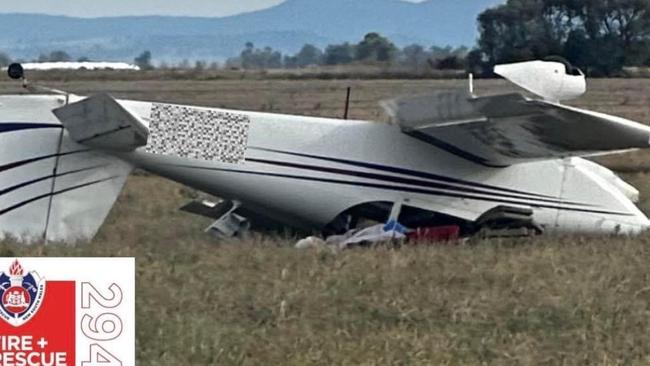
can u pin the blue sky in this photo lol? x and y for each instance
(100, 8)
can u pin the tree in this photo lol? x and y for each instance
(59, 56)
(246, 56)
(516, 31)
(621, 25)
(55, 56)
(438, 53)
(5, 60)
(450, 63)
(309, 55)
(580, 30)
(143, 61)
(476, 62)
(374, 47)
(339, 54)
(414, 56)
(255, 58)
(200, 66)
(290, 62)
(270, 59)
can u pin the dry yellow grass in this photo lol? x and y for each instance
(544, 301)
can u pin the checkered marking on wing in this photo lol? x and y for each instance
(196, 133)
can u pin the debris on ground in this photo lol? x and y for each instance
(391, 232)
(376, 234)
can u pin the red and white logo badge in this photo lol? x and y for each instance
(67, 311)
(21, 294)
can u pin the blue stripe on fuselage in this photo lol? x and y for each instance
(11, 127)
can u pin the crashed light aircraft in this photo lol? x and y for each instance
(501, 162)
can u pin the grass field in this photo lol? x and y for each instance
(544, 301)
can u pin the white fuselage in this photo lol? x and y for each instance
(305, 171)
(301, 171)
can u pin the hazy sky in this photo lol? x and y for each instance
(100, 8)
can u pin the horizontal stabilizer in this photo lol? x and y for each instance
(101, 122)
(509, 129)
(552, 80)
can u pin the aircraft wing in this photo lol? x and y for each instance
(509, 129)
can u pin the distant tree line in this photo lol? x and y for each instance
(372, 49)
(54, 56)
(599, 36)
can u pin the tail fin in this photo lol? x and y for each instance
(51, 187)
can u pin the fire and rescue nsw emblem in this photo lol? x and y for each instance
(21, 294)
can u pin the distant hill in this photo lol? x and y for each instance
(285, 27)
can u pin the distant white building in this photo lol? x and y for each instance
(79, 66)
